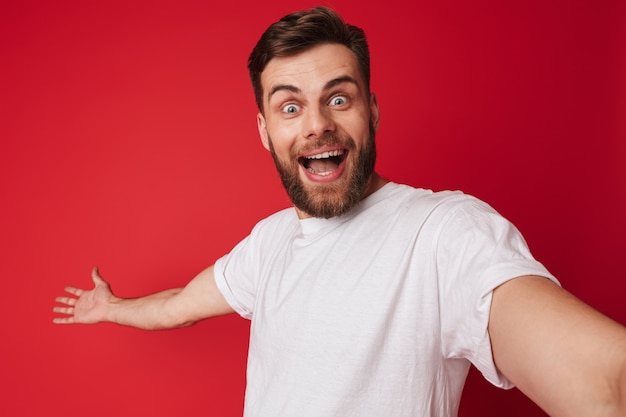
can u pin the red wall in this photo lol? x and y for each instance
(128, 141)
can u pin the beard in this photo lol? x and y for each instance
(339, 197)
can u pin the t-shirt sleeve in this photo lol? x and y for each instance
(240, 273)
(477, 250)
(239, 293)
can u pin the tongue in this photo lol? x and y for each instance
(322, 165)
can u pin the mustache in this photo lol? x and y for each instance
(328, 139)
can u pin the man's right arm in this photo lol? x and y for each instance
(173, 308)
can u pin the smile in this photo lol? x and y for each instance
(323, 163)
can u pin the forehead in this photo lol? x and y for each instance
(311, 69)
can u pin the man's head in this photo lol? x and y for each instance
(310, 72)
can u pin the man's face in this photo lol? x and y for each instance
(319, 125)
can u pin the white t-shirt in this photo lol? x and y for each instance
(375, 313)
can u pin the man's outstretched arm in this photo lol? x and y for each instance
(177, 307)
(563, 354)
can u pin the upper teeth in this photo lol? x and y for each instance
(326, 154)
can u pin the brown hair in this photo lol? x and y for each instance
(302, 30)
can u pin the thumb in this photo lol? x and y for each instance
(95, 276)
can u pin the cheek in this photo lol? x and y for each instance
(282, 146)
(283, 138)
(360, 133)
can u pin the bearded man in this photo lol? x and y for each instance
(371, 298)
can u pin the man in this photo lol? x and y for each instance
(370, 298)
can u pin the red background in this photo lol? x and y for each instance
(128, 141)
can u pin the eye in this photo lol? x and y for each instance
(291, 108)
(338, 101)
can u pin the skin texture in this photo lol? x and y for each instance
(567, 357)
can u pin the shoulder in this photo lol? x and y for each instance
(438, 204)
(445, 214)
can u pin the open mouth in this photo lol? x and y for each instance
(323, 163)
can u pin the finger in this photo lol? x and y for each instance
(64, 310)
(98, 280)
(66, 300)
(95, 276)
(63, 320)
(75, 291)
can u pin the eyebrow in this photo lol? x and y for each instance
(335, 82)
(293, 89)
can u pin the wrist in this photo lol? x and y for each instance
(111, 310)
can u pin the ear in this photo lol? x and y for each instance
(374, 111)
(260, 124)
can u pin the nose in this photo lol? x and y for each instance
(317, 122)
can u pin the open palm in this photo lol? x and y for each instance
(87, 306)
